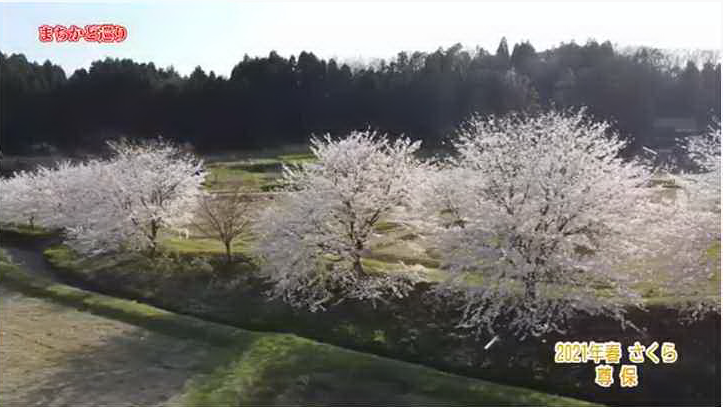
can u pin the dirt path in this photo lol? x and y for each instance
(52, 355)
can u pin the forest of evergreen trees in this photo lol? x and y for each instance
(273, 100)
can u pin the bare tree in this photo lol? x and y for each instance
(223, 217)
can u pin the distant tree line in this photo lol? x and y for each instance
(273, 100)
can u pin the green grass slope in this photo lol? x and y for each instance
(281, 369)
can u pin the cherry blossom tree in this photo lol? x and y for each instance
(17, 199)
(145, 187)
(701, 193)
(313, 238)
(704, 151)
(104, 205)
(52, 197)
(537, 219)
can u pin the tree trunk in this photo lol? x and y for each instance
(530, 289)
(152, 237)
(357, 265)
(228, 252)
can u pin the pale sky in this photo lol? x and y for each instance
(216, 35)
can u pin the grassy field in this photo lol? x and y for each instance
(247, 367)
(251, 174)
(287, 370)
(409, 329)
